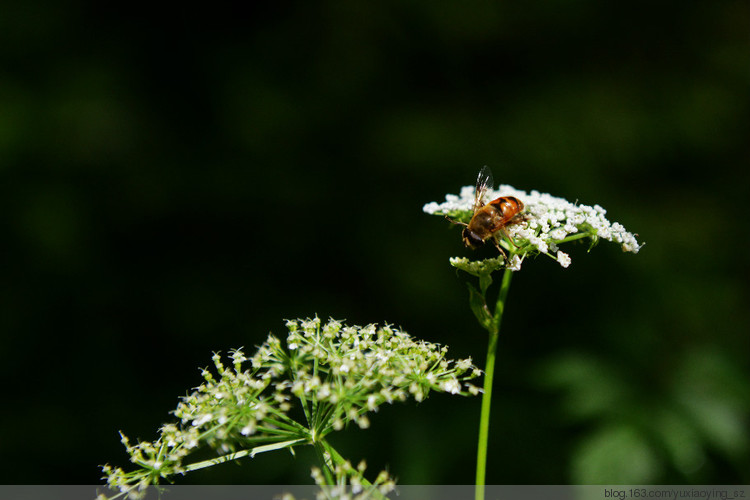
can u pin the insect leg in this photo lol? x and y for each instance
(507, 237)
(453, 221)
(497, 245)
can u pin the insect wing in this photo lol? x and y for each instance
(484, 182)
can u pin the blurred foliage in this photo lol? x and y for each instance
(648, 430)
(175, 186)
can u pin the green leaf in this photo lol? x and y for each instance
(485, 280)
(616, 454)
(479, 308)
(590, 387)
(680, 439)
(711, 391)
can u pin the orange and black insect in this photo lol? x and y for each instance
(490, 218)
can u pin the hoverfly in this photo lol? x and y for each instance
(489, 218)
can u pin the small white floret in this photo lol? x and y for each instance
(563, 258)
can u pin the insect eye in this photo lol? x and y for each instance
(471, 239)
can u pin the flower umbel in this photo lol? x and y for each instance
(547, 222)
(294, 392)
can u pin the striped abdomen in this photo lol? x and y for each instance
(506, 207)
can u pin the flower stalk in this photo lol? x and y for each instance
(491, 321)
(546, 223)
(489, 375)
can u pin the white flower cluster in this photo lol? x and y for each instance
(478, 267)
(360, 368)
(337, 374)
(547, 221)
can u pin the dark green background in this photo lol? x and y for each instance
(176, 185)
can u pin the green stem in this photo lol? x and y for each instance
(484, 419)
(326, 459)
(243, 453)
(489, 371)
